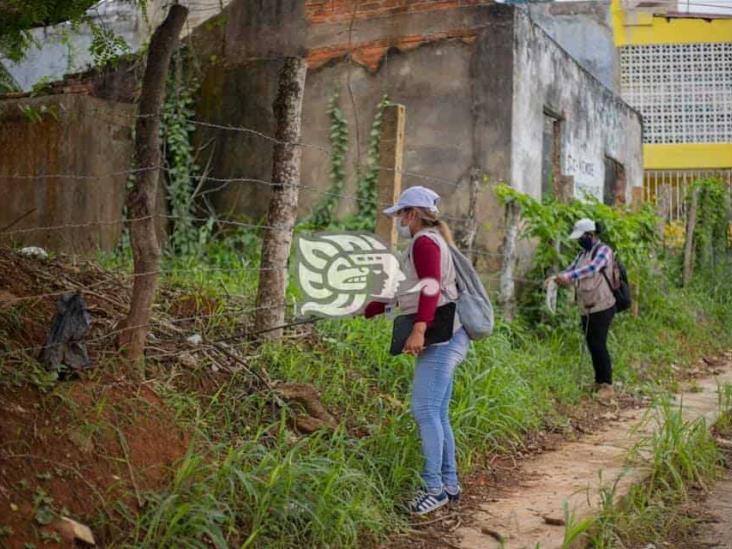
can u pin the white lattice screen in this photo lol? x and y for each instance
(683, 91)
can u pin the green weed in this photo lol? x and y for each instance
(679, 455)
(249, 480)
(266, 492)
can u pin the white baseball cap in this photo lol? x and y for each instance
(583, 226)
(415, 197)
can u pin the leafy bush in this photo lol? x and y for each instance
(632, 234)
(711, 233)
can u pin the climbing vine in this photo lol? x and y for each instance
(324, 211)
(367, 185)
(365, 216)
(186, 238)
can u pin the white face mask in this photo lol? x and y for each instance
(403, 230)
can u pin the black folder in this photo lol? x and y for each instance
(439, 331)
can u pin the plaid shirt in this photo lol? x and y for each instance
(602, 258)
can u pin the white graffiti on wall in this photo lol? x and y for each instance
(579, 166)
(587, 175)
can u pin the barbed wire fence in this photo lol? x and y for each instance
(10, 232)
(391, 174)
(127, 277)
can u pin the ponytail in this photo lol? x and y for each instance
(430, 219)
(445, 231)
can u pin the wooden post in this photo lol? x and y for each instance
(142, 197)
(391, 155)
(663, 209)
(507, 289)
(556, 267)
(277, 239)
(689, 243)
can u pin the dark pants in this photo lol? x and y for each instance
(596, 327)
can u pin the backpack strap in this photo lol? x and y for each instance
(595, 250)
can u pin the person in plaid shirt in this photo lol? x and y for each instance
(595, 299)
(574, 273)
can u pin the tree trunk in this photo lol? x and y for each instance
(689, 244)
(471, 223)
(283, 203)
(507, 290)
(141, 199)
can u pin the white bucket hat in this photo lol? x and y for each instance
(583, 226)
(415, 197)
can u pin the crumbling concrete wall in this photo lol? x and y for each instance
(63, 165)
(474, 89)
(584, 30)
(595, 122)
(426, 59)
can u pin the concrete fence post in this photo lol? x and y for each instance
(391, 157)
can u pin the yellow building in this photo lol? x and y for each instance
(676, 69)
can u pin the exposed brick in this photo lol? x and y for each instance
(329, 11)
(370, 54)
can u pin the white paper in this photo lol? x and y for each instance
(551, 296)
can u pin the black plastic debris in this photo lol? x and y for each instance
(65, 351)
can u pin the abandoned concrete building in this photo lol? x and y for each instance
(488, 91)
(485, 89)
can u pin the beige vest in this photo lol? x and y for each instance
(408, 302)
(594, 293)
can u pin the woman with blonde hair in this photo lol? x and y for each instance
(427, 258)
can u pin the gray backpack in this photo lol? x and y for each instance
(473, 305)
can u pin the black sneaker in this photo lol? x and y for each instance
(453, 493)
(424, 502)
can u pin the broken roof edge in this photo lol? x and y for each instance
(615, 95)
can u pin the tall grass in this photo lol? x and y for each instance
(266, 493)
(249, 480)
(679, 455)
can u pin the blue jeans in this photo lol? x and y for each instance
(431, 392)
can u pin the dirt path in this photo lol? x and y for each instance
(573, 474)
(717, 530)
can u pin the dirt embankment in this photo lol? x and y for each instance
(89, 448)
